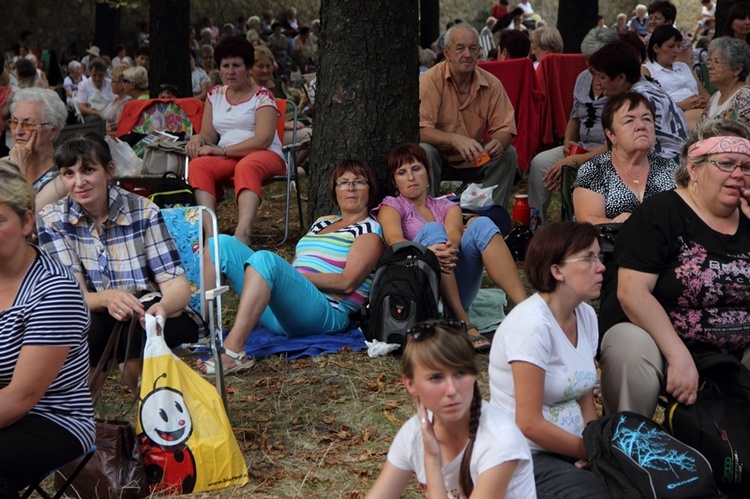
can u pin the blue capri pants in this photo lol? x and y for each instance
(296, 307)
(469, 267)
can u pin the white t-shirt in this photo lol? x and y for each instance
(708, 12)
(678, 82)
(527, 8)
(95, 97)
(531, 334)
(236, 122)
(498, 440)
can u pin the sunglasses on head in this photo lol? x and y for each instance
(426, 329)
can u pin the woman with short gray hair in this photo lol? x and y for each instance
(37, 116)
(728, 67)
(136, 82)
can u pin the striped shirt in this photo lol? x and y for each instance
(49, 310)
(131, 251)
(327, 253)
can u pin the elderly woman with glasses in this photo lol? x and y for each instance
(728, 67)
(542, 359)
(329, 278)
(37, 116)
(682, 275)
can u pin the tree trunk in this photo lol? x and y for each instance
(169, 24)
(429, 12)
(575, 18)
(107, 28)
(367, 98)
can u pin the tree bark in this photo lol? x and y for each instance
(169, 24)
(107, 28)
(429, 12)
(575, 18)
(367, 98)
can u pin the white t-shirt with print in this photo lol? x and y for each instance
(531, 334)
(498, 440)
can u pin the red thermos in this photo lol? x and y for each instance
(521, 210)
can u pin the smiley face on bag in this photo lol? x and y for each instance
(165, 419)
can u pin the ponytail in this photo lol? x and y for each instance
(464, 477)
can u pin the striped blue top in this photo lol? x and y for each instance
(49, 310)
(327, 253)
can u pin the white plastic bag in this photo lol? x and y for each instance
(127, 164)
(476, 197)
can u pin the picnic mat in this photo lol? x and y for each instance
(262, 343)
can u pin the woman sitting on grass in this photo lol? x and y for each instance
(329, 278)
(411, 214)
(542, 359)
(457, 445)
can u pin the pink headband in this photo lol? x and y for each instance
(719, 145)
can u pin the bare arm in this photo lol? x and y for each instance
(390, 484)
(50, 193)
(175, 297)
(454, 225)
(589, 207)
(554, 174)
(265, 128)
(494, 482)
(118, 303)
(363, 255)
(87, 110)
(390, 220)
(208, 133)
(635, 292)
(466, 146)
(528, 381)
(36, 369)
(204, 91)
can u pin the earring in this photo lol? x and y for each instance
(694, 187)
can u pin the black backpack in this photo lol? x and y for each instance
(636, 458)
(404, 292)
(172, 192)
(718, 424)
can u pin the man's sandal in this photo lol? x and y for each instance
(241, 363)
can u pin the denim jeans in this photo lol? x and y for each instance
(470, 267)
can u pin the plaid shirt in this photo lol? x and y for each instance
(131, 251)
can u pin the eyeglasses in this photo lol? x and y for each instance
(716, 62)
(25, 126)
(126, 81)
(347, 184)
(729, 167)
(591, 259)
(426, 329)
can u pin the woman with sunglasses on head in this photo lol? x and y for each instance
(37, 116)
(457, 445)
(682, 281)
(542, 359)
(329, 278)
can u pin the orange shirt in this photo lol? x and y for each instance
(487, 108)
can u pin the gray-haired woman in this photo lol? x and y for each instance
(37, 116)
(728, 67)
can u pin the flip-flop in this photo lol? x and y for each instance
(481, 344)
(242, 363)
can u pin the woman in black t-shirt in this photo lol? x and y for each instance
(684, 276)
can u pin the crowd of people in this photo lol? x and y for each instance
(657, 147)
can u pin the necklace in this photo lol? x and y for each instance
(634, 179)
(239, 97)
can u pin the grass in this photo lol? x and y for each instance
(314, 427)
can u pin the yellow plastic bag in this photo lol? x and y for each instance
(186, 438)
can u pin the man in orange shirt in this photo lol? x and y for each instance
(458, 103)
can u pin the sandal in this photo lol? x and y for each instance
(241, 363)
(481, 344)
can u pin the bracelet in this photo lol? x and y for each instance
(575, 160)
(223, 149)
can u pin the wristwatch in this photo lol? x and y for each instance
(575, 161)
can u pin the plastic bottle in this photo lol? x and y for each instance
(521, 210)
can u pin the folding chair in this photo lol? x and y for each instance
(567, 178)
(185, 225)
(291, 178)
(37, 487)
